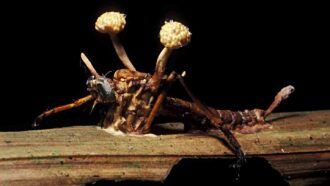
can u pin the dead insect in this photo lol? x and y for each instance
(133, 99)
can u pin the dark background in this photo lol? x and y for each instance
(239, 57)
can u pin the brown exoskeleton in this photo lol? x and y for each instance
(133, 99)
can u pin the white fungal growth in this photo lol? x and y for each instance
(111, 130)
(174, 35)
(110, 22)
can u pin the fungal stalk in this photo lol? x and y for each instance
(173, 35)
(112, 23)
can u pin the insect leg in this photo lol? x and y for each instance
(170, 79)
(55, 110)
(216, 121)
(283, 94)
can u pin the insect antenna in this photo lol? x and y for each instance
(106, 74)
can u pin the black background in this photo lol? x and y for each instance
(239, 57)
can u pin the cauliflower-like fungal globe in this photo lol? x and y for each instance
(110, 22)
(174, 35)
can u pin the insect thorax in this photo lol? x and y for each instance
(132, 101)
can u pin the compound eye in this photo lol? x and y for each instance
(90, 81)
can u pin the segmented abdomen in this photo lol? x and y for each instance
(248, 117)
(180, 108)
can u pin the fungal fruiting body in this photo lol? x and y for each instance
(112, 23)
(132, 99)
(136, 92)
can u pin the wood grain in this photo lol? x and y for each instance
(297, 145)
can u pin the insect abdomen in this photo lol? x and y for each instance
(236, 118)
